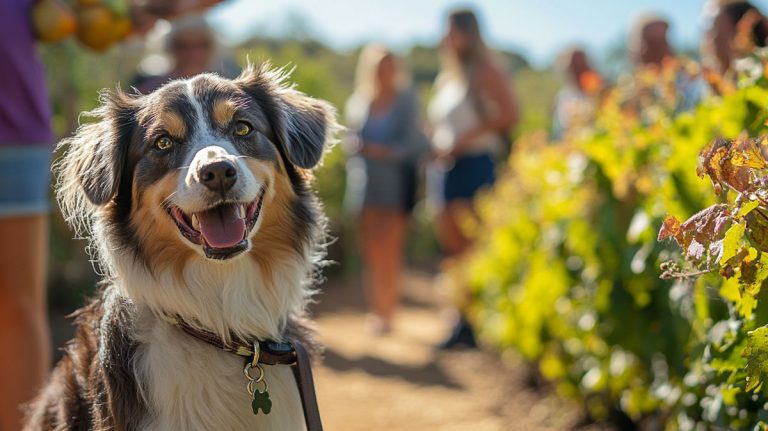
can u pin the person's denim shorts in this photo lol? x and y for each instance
(25, 173)
(469, 174)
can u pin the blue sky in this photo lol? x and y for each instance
(537, 28)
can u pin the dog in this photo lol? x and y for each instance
(198, 205)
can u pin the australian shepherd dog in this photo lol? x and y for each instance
(197, 202)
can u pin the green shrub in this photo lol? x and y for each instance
(566, 269)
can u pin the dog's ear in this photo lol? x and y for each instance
(302, 126)
(108, 142)
(95, 156)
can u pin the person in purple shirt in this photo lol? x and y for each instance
(26, 143)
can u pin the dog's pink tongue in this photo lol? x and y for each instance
(221, 226)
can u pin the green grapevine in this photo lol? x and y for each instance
(567, 269)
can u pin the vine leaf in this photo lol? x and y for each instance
(732, 163)
(747, 208)
(732, 242)
(701, 232)
(670, 228)
(756, 353)
(749, 154)
(758, 229)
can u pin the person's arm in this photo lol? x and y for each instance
(494, 85)
(723, 32)
(498, 88)
(352, 142)
(409, 139)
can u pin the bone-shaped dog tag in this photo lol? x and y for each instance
(261, 401)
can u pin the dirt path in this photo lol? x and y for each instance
(400, 383)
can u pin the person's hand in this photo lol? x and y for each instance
(440, 155)
(351, 144)
(377, 152)
(463, 142)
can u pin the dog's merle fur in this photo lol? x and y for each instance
(109, 177)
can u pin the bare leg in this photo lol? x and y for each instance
(455, 243)
(24, 333)
(382, 235)
(450, 234)
(369, 238)
(392, 236)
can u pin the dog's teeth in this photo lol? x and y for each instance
(241, 211)
(195, 222)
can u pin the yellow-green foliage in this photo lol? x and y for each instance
(567, 268)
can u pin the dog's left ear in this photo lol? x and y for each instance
(91, 169)
(302, 125)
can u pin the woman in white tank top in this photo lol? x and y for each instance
(454, 113)
(472, 109)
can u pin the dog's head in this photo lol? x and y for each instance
(206, 166)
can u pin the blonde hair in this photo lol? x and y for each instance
(366, 83)
(461, 66)
(371, 56)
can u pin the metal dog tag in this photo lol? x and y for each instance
(261, 401)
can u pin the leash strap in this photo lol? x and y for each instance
(302, 372)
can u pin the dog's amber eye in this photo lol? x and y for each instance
(242, 129)
(163, 143)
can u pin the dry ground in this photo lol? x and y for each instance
(400, 382)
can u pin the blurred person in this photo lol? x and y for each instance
(575, 102)
(191, 44)
(383, 115)
(146, 12)
(649, 45)
(26, 140)
(26, 144)
(472, 113)
(654, 57)
(737, 28)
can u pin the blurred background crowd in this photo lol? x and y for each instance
(527, 181)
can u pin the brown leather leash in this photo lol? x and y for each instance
(302, 372)
(267, 353)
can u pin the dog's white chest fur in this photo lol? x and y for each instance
(192, 386)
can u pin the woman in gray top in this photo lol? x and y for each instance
(385, 142)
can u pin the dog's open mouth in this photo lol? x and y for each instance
(221, 230)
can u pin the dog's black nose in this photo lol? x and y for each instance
(218, 176)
